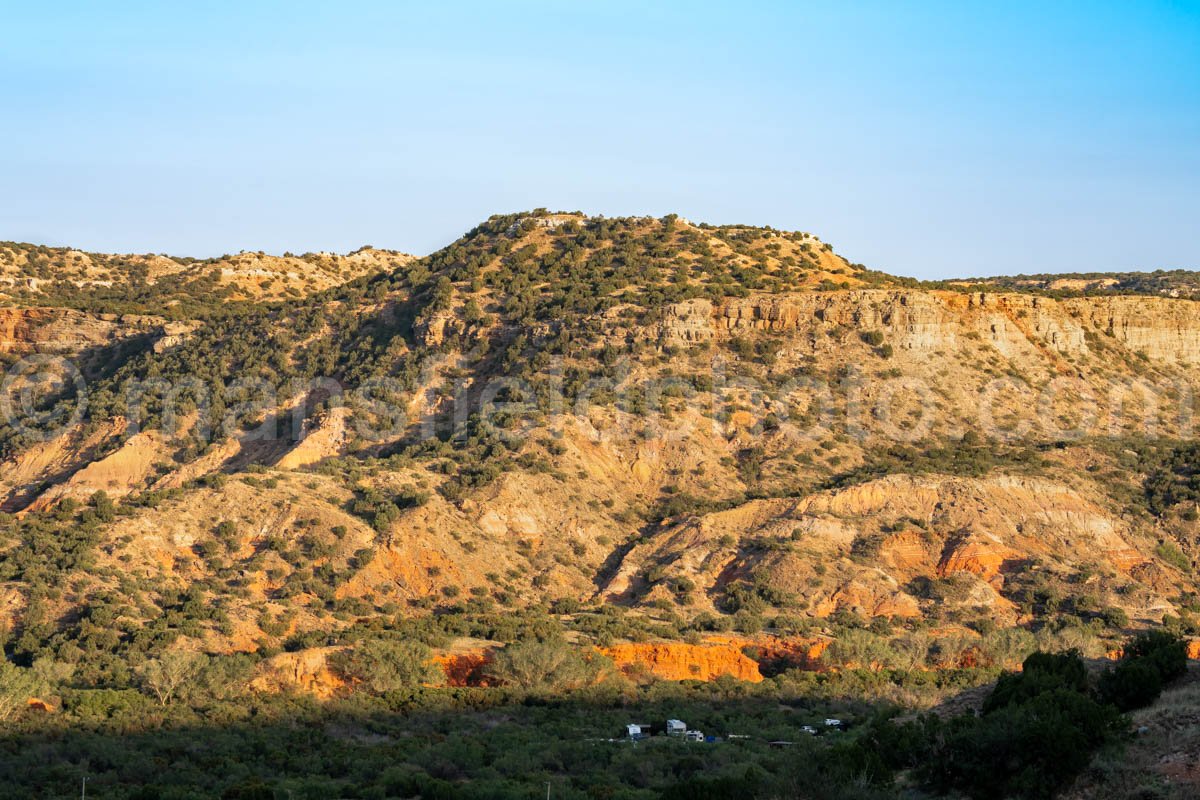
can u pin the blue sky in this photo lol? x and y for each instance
(928, 139)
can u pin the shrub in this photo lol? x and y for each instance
(1131, 684)
(16, 686)
(1040, 673)
(1170, 553)
(165, 677)
(1151, 660)
(1037, 732)
(1114, 617)
(381, 665)
(551, 665)
(1030, 749)
(1167, 651)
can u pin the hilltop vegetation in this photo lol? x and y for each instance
(1169, 283)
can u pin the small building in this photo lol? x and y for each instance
(676, 727)
(637, 730)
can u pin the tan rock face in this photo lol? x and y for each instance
(905, 551)
(763, 314)
(1159, 327)
(869, 598)
(54, 460)
(806, 547)
(305, 671)
(433, 331)
(58, 330)
(686, 323)
(174, 334)
(1015, 324)
(134, 464)
(325, 437)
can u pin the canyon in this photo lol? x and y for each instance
(812, 451)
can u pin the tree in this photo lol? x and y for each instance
(1040, 673)
(165, 676)
(50, 673)
(861, 649)
(16, 687)
(103, 506)
(385, 665)
(910, 651)
(1029, 749)
(1009, 646)
(221, 678)
(1151, 660)
(551, 665)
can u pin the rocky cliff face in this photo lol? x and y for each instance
(466, 664)
(1015, 324)
(58, 330)
(1159, 327)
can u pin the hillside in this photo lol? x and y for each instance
(657, 429)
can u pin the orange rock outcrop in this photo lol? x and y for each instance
(44, 706)
(680, 661)
(465, 669)
(977, 555)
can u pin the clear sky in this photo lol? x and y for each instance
(929, 139)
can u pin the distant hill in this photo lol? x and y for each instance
(1165, 283)
(36, 274)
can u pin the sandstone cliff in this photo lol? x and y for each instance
(58, 330)
(1016, 325)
